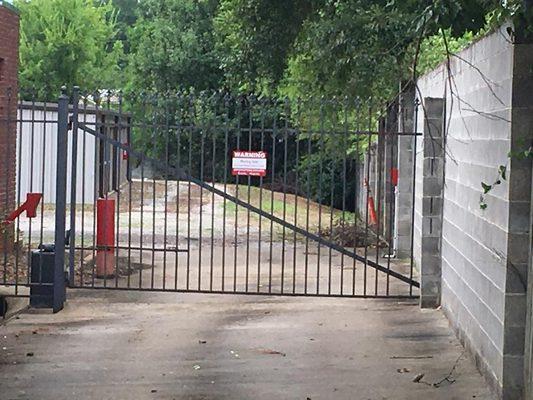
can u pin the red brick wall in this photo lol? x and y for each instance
(9, 46)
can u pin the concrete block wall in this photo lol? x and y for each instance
(404, 190)
(430, 201)
(482, 252)
(519, 226)
(9, 44)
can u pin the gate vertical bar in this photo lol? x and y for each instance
(413, 197)
(73, 177)
(61, 197)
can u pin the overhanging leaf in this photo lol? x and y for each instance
(486, 188)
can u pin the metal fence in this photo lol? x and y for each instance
(153, 192)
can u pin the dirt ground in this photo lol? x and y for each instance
(220, 246)
(159, 207)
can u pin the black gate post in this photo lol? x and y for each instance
(73, 178)
(61, 197)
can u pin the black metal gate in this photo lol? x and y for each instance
(234, 194)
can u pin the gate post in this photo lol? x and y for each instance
(73, 178)
(389, 183)
(61, 198)
(431, 202)
(404, 191)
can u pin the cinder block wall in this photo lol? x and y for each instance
(481, 258)
(9, 46)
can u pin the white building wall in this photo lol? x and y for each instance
(37, 155)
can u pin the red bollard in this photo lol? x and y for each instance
(372, 211)
(370, 205)
(105, 238)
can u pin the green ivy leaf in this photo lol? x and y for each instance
(483, 206)
(486, 188)
(503, 172)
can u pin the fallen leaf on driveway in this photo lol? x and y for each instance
(270, 351)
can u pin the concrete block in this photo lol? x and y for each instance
(513, 377)
(434, 166)
(403, 229)
(514, 340)
(432, 186)
(519, 221)
(431, 227)
(431, 268)
(516, 278)
(431, 246)
(432, 206)
(518, 248)
(429, 301)
(522, 93)
(488, 356)
(433, 145)
(520, 186)
(434, 107)
(515, 309)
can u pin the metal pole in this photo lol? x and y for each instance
(61, 189)
(73, 176)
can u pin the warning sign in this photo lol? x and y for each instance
(249, 163)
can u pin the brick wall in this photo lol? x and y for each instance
(9, 32)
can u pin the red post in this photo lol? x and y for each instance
(371, 206)
(372, 211)
(105, 237)
(394, 176)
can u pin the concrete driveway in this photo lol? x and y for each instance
(141, 345)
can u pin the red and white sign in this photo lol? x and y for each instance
(249, 163)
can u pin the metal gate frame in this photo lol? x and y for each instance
(282, 134)
(179, 173)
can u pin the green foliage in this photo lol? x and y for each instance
(255, 38)
(460, 16)
(173, 46)
(433, 48)
(526, 152)
(67, 42)
(298, 49)
(350, 48)
(324, 177)
(126, 18)
(339, 47)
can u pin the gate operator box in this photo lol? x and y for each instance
(42, 277)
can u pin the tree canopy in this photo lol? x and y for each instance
(172, 46)
(276, 47)
(67, 43)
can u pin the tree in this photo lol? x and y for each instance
(335, 47)
(255, 38)
(351, 48)
(173, 46)
(126, 18)
(67, 42)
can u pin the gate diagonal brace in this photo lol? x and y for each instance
(180, 174)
